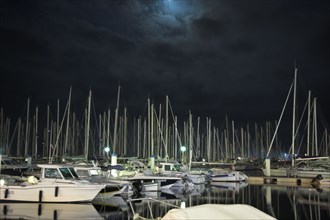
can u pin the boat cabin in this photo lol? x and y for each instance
(167, 168)
(88, 171)
(53, 171)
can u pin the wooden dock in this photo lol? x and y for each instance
(281, 181)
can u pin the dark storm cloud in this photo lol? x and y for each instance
(213, 57)
(208, 28)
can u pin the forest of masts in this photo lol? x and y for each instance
(159, 132)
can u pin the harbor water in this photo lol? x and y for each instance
(278, 201)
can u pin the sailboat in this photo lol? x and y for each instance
(300, 167)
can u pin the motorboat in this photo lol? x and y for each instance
(9, 166)
(182, 189)
(222, 175)
(57, 183)
(148, 181)
(175, 169)
(94, 174)
(228, 186)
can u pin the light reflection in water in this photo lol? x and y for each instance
(279, 202)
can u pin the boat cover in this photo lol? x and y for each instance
(215, 211)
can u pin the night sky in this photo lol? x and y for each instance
(213, 57)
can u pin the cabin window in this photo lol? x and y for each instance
(7, 162)
(82, 173)
(94, 172)
(176, 167)
(73, 172)
(167, 167)
(66, 173)
(52, 173)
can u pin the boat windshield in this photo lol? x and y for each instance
(8, 162)
(66, 173)
(172, 167)
(177, 167)
(52, 173)
(73, 172)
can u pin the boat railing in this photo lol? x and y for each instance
(149, 199)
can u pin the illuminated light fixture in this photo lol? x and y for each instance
(107, 149)
(183, 148)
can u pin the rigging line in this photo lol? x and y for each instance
(298, 127)
(160, 130)
(176, 126)
(58, 135)
(279, 122)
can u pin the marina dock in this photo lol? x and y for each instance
(282, 181)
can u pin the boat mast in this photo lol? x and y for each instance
(233, 133)
(166, 128)
(36, 135)
(190, 140)
(294, 114)
(315, 128)
(87, 125)
(108, 128)
(152, 129)
(116, 124)
(27, 129)
(67, 126)
(148, 146)
(308, 122)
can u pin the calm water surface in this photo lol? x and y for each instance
(279, 202)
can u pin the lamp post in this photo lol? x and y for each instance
(183, 155)
(107, 150)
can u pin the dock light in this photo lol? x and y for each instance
(183, 148)
(183, 205)
(107, 149)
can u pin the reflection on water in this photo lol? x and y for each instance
(48, 211)
(297, 203)
(279, 202)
